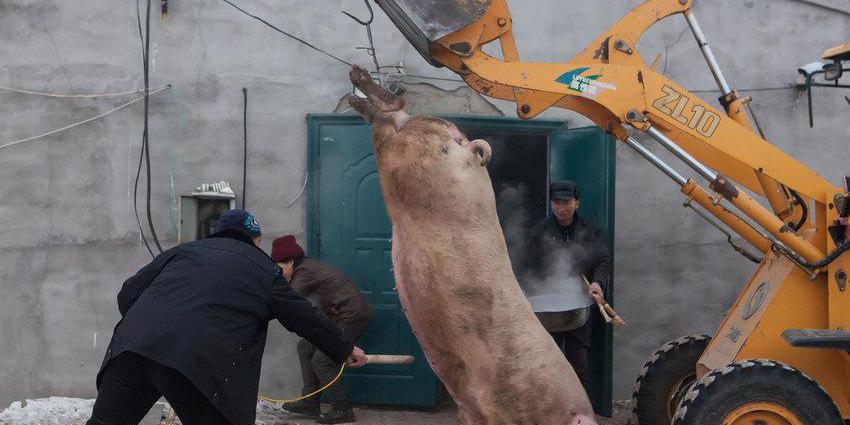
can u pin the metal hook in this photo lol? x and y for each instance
(366, 22)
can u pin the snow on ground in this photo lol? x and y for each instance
(47, 411)
(58, 411)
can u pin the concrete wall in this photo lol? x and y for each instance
(70, 236)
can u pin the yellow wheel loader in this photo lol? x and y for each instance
(780, 355)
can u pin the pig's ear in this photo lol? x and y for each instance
(482, 149)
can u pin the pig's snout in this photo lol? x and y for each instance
(482, 149)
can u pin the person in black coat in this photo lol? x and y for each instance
(565, 238)
(193, 330)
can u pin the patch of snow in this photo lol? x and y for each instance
(48, 411)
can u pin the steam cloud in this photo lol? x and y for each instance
(557, 285)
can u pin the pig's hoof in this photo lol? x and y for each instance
(381, 100)
(482, 149)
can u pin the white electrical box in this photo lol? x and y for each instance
(199, 213)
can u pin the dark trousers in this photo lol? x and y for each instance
(575, 345)
(130, 386)
(317, 369)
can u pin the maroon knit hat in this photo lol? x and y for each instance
(285, 248)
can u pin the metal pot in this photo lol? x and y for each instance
(561, 312)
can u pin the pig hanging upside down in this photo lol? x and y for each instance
(454, 277)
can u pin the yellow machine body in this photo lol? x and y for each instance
(609, 83)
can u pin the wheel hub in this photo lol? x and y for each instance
(762, 413)
(677, 392)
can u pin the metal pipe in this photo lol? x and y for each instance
(738, 224)
(644, 152)
(738, 248)
(749, 207)
(696, 193)
(707, 53)
(665, 141)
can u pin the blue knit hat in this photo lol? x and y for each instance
(239, 220)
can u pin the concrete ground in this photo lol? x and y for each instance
(441, 415)
(67, 411)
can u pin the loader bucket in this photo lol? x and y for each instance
(425, 21)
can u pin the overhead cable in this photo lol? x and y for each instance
(298, 39)
(74, 96)
(823, 5)
(85, 121)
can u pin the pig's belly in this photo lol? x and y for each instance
(484, 342)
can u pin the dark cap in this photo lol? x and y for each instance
(285, 248)
(240, 221)
(563, 190)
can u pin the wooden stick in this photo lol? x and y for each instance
(604, 313)
(615, 318)
(607, 311)
(389, 359)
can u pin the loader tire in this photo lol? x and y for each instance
(757, 392)
(665, 379)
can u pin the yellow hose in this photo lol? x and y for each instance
(171, 419)
(333, 381)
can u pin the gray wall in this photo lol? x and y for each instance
(70, 237)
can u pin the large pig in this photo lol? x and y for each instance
(454, 277)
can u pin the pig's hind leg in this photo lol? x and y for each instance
(380, 99)
(381, 108)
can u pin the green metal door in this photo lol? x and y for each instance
(349, 228)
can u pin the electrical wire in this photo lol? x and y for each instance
(300, 40)
(244, 146)
(178, 116)
(142, 150)
(424, 77)
(144, 154)
(74, 96)
(756, 89)
(824, 6)
(300, 192)
(146, 134)
(85, 121)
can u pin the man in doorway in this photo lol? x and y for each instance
(193, 329)
(565, 233)
(339, 298)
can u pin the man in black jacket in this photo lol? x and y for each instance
(561, 238)
(193, 330)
